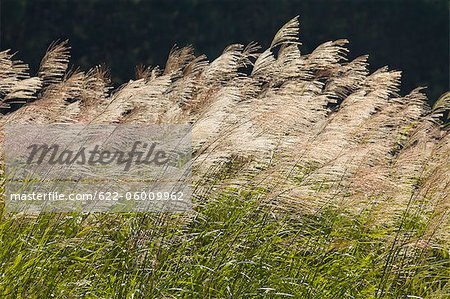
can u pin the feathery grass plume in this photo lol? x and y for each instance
(327, 57)
(225, 67)
(54, 63)
(11, 71)
(180, 94)
(263, 69)
(94, 94)
(287, 34)
(138, 101)
(178, 59)
(142, 72)
(291, 65)
(442, 108)
(24, 90)
(55, 103)
(346, 79)
(196, 66)
(15, 82)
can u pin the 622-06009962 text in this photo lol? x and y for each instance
(101, 196)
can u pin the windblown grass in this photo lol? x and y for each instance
(233, 247)
(314, 179)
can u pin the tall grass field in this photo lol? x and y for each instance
(312, 178)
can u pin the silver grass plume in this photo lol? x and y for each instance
(54, 63)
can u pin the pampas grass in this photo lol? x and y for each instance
(314, 179)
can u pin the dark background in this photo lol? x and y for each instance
(407, 35)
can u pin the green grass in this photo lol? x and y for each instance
(231, 247)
